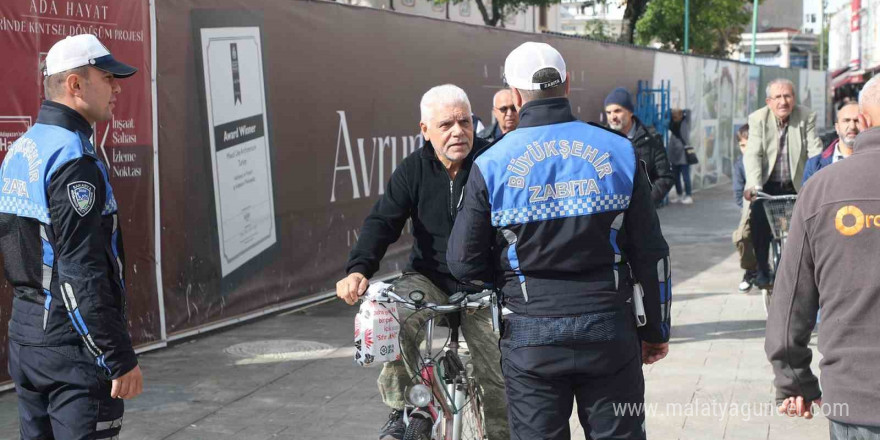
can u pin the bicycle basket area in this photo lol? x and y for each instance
(779, 211)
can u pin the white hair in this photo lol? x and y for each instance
(498, 93)
(447, 94)
(779, 81)
(870, 94)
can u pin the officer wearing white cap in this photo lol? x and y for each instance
(558, 216)
(70, 353)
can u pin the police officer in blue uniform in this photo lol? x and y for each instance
(70, 354)
(558, 216)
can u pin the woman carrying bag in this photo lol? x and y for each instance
(681, 156)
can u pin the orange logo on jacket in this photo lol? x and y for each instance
(851, 220)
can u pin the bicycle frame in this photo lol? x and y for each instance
(431, 378)
(449, 398)
(449, 394)
(778, 210)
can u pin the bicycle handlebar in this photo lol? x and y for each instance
(760, 195)
(478, 300)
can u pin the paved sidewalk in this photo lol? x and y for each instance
(714, 380)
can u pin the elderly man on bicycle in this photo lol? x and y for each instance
(781, 137)
(426, 188)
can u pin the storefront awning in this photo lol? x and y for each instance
(851, 77)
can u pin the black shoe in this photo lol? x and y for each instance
(394, 428)
(763, 280)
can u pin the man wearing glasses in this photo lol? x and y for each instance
(781, 137)
(505, 116)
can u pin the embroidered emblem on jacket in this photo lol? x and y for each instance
(82, 197)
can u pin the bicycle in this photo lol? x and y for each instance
(445, 403)
(778, 210)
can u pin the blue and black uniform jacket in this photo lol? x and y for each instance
(816, 163)
(558, 214)
(61, 242)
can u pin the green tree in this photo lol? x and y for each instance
(598, 29)
(715, 25)
(633, 12)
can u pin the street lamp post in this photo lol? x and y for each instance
(687, 25)
(822, 35)
(754, 31)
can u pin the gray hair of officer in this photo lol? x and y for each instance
(442, 96)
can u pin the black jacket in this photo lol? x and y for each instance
(491, 133)
(61, 242)
(649, 147)
(419, 189)
(555, 215)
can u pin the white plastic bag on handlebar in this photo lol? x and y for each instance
(376, 330)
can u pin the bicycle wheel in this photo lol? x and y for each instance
(776, 254)
(419, 428)
(472, 426)
(464, 420)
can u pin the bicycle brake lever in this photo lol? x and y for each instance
(479, 295)
(458, 298)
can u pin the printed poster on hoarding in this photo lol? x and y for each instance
(239, 143)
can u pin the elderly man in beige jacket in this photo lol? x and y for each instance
(782, 135)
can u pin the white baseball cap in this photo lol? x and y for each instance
(526, 60)
(84, 50)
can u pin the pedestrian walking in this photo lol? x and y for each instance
(681, 154)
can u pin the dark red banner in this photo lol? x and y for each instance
(28, 28)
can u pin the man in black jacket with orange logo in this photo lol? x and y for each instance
(835, 230)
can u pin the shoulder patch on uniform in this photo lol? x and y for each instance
(608, 129)
(82, 196)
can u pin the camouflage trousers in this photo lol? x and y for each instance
(476, 327)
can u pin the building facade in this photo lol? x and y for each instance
(788, 34)
(853, 49)
(532, 19)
